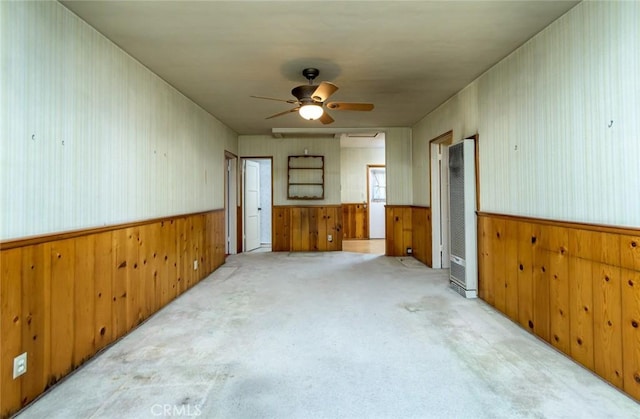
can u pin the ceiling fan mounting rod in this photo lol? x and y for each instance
(310, 74)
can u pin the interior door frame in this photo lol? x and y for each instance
(245, 213)
(436, 200)
(230, 202)
(369, 167)
(241, 206)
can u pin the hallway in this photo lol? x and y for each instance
(330, 335)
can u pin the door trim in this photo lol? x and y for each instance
(230, 203)
(436, 218)
(241, 206)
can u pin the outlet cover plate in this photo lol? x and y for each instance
(19, 365)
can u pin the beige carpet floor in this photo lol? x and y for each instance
(330, 335)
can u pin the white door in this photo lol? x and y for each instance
(377, 200)
(440, 205)
(251, 205)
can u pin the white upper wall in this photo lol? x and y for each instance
(398, 152)
(89, 137)
(353, 171)
(281, 148)
(558, 122)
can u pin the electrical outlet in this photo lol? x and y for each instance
(195, 264)
(409, 251)
(19, 365)
(330, 237)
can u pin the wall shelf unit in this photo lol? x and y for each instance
(305, 178)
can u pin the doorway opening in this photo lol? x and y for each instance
(257, 198)
(439, 192)
(231, 202)
(363, 191)
(376, 199)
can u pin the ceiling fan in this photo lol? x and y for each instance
(311, 98)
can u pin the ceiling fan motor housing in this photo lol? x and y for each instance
(304, 92)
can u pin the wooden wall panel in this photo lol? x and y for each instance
(314, 219)
(182, 234)
(388, 232)
(104, 261)
(34, 311)
(305, 239)
(281, 229)
(578, 288)
(399, 245)
(540, 278)
(407, 229)
(581, 296)
(83, 301)
(525, 276)
(559, 326)
(355, 221)
(239, 233)
(421, 234)
(65, 297)
(11, 327)
(323, 215)
(150, 238)
(62, 256)
(334, 227)
(172, 257)
(496, 288)
(119, 284)
(630, 252)
(607, 323)
(512, 269)
(484, 256)
(306, 228)
(630, 283)
(220, 238)
(398, 230)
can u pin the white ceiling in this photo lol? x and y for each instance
(406, 57)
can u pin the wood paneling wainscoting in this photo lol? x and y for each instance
(577, 286)
(355, 219)
(64, 297)
(398, 229)
(421, 234)
(306, 228)
(408, 226)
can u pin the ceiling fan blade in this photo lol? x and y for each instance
(284, 113)
(346, 106)
(279, 100)
(326, 118)
(324, 90)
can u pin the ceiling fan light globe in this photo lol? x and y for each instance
(311, 112)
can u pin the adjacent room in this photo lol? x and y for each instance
(372, 209)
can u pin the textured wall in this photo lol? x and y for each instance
(557, 120)
(281, 148)
(90, 137)
(398, 163)
(460, 115)
(353, 171)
